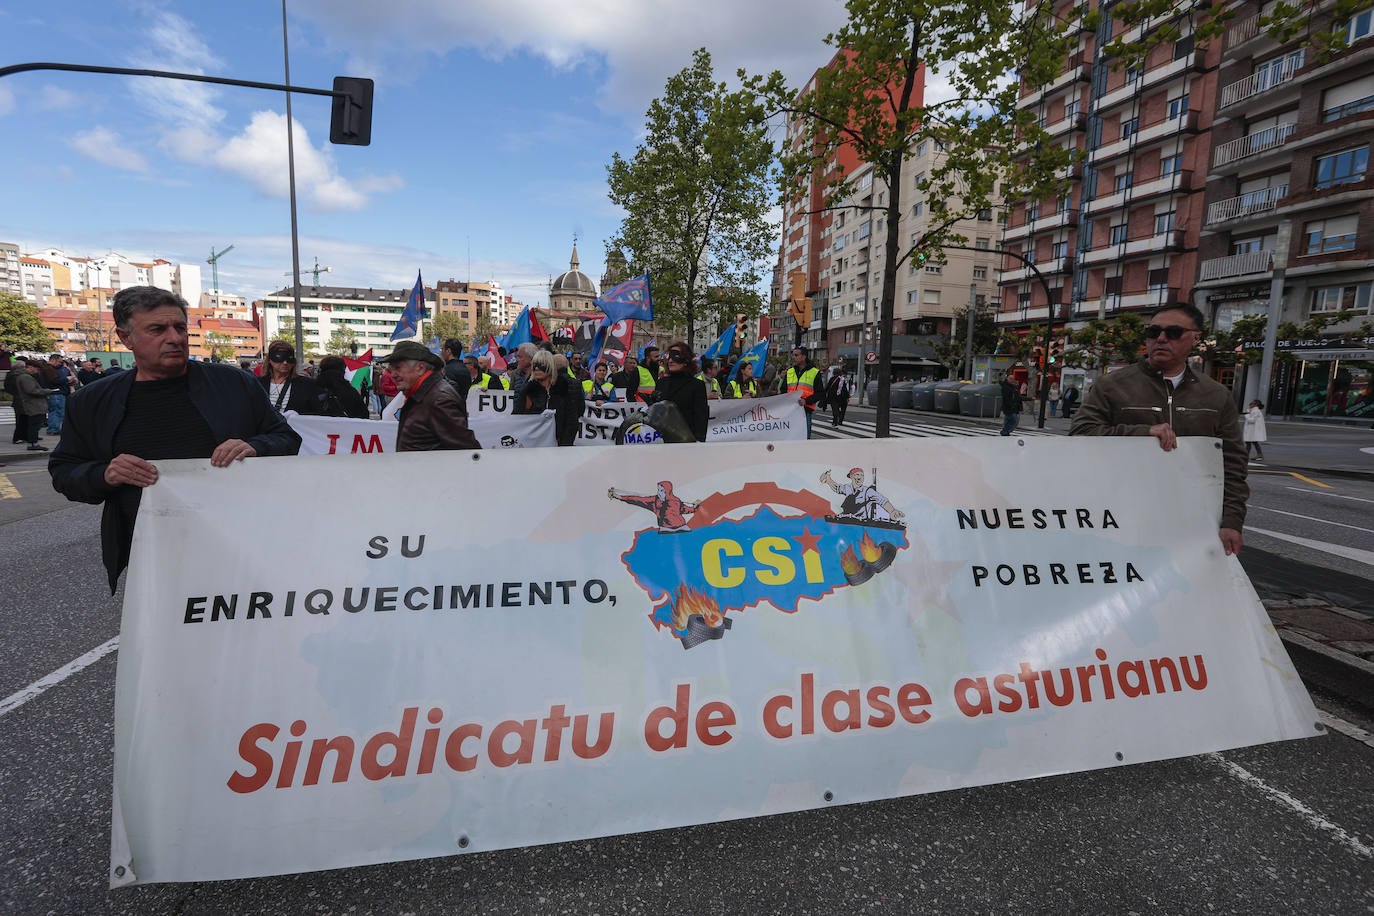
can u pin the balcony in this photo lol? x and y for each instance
(1159, 130)
(1245, 205)
(1173, 183)
(1251, 144)
(1153, 298)
(1256, 83)
(1171, 240)
(1076, 121)
(1242, 30)
(1022, 272)
(1236, 265)
(1052, 220)
(1078, 70)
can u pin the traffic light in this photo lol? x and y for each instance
(1056, 351)
(741, 329)
(798, 306)
(350, 117)
(1038, 357)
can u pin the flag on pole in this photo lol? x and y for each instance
(526, 329)
(537, 331)
(629, 300)
(358, 370)
(434, 345)
(415, 312)
(495, 361)
(722, 346)
(652, 343)
(757, 353)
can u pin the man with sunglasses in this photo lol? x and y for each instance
(1162, 397)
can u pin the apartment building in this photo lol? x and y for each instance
(468, 300)
(371, 313)
(1290, 206)
(927, 295)
(1124, 238)
(11, 281)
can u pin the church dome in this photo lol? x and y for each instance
(573, 281)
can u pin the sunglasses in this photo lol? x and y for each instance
(1172, 331)
(675, 357)
(282, 357)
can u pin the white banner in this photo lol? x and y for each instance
(777, 418)
(724, 632)
(347, 436)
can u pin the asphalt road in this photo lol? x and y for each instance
(1280, 828)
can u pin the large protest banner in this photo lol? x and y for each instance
(348, 436)
(722, 632)
(777, 418)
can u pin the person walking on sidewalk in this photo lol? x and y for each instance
(1011, 404)
(1255, 434)
(32, 398)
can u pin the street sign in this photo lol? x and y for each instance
(871, 356)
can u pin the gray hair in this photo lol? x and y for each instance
(143, 299)
(527, 349)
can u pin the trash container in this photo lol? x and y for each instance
(947, 396)
(923, 396)
(872, 392)
(980, 400)
(901, 394)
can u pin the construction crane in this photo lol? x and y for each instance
(213, 261)
(316, 270)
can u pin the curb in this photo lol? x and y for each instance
(1341, 673)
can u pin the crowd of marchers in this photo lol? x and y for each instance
(168, 406)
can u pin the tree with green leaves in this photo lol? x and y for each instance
(696, 199)
(482, 328)
(342, 340)
(445, 325)
(1106, 342)
(21, 328)
(868, 103)
(220, 345)
(950, 349)
(286, 331)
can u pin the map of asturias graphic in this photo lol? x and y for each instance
(698, 565)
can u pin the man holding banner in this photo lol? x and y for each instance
(168, 407)
(434, 418)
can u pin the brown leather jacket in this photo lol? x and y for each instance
(434, 418)
(1131, 400)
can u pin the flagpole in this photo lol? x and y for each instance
(291, 178)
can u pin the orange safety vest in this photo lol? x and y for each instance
(804, 383)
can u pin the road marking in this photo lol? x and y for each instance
(1336, 550)
(1312, 817)
(1312, 519)
(1315, 483)
(1345, 728)
(15, 700)
(1358, 499)
(7, 488)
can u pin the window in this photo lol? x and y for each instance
(1059, 250)
(916, 208)
(1061, 206)
(1134, 73)
(1348, 99)
(984, 216)
(980, 273)
(982, 244)
(1071, 109)
(1336, 298)
(939, 146)
(1118, 235)
(1032, 212)
(1023, 300)
(934, 269)
(920, 177)
(1273, 72)
(931, 297)
(1335, 234)
(1164, 222)
(1183, 47)
(1359, 26)
(911, 297)
(1123, 182)
(1129, 127)
(1247, 246)
(1159, 279)
(1168, 165)
(921, 148)
(1342, 168)
(1178, 107)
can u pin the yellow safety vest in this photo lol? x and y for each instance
(606, 387)
(739, 392)
(804, 383)
(646, 383)
(487, 379)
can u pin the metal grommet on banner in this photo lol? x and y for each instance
(1021, 442)
(463, 842)
(476, 456)
(828, 796)
(1120, 756)
(1320, 727)
(119, 871)
(770, 446)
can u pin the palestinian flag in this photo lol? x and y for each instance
(358, 371)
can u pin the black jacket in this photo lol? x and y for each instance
(340, 398)
(304, 396)
(229, 399)
(564, 398)
(456, 374)
(689, 394)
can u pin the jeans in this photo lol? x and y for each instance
(808, 411)
(57, 410)
(1009, 423)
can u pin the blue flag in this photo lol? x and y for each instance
(630, 299)
(415, 312)
(757, 353)
(434, 345)
(653, 343)
(519, 332)
(722, 346)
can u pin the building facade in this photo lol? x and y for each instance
(11, 280)
(572, 292)
(1290, 208)
(370, 313)
(469, 300)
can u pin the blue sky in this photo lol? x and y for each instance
(493, 124)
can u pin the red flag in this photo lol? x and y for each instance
(365, 360)
(537, 331)
(495, 360)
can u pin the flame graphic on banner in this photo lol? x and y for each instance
(689, 601)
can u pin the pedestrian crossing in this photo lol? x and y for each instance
(900, 427)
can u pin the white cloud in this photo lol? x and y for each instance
(174, 45)
(53, 97)
(642, 43)
(258, 155)
(105, 146)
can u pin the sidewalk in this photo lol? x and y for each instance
(13, 455)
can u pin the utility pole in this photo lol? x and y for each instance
(1271, 328)
(968, 337)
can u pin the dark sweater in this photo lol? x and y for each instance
(689, 394)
